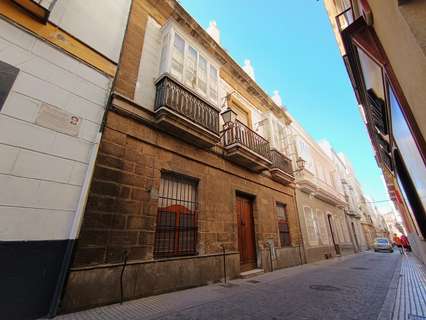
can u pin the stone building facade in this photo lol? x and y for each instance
(320, 199)
(176, 190)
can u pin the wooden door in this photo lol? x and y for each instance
(246, 239)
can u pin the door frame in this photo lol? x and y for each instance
(252, 199)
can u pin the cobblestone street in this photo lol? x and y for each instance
(353, 287)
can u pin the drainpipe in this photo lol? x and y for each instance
(78, 219)
(224, 262)
(301, 242)
(293, 154)
(75, 229)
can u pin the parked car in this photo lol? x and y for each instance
(382, 244)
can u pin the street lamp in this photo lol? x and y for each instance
(228, 115)
(300, 163)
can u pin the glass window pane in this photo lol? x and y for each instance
(191, 67)
(407, 147)
(213, 83)
(177, 56)
(202, 74)
(372, 74)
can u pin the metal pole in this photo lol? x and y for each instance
(224, 262)
(270, 256)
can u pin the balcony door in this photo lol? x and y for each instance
(246, 237)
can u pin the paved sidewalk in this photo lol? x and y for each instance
(353, 287)
(410, 300)
(156, 306)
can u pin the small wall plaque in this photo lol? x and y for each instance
(59, 120)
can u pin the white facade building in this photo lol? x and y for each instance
(320, 198)
(56, 72)
(351, 189)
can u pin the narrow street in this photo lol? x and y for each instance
(353, 287)
(212, 159)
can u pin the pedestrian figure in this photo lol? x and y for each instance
(397, 241)
(405, 243)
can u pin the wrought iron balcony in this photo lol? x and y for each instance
(245, 147)
(344, 19)
(186, 115)
(281, 170)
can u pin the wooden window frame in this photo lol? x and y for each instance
(172, 31)
(359, 35)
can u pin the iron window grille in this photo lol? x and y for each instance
(177, 224)
(283, 228)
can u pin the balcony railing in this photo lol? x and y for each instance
(281, 162)
(344, 19)
(174, 96)
(281, 169)
(238, 133)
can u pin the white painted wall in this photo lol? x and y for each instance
(149, 67)
(100, 24)
(42, 170)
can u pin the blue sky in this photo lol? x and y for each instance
(292, 49)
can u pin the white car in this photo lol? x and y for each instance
(382, 244)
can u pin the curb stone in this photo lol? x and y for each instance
(386, 312)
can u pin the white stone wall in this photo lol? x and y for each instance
(42, 169)
(99, 23)
(149, 67)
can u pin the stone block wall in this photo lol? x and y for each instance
(99, 286)
(121, 211)
(122, 208)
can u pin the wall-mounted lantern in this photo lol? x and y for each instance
(300, 164)
(229, 116)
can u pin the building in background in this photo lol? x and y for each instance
(320, 199)
(57, 64)
(383, 45)
(352, 192)
(378, 220)
(182, 177)
(394, 223)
